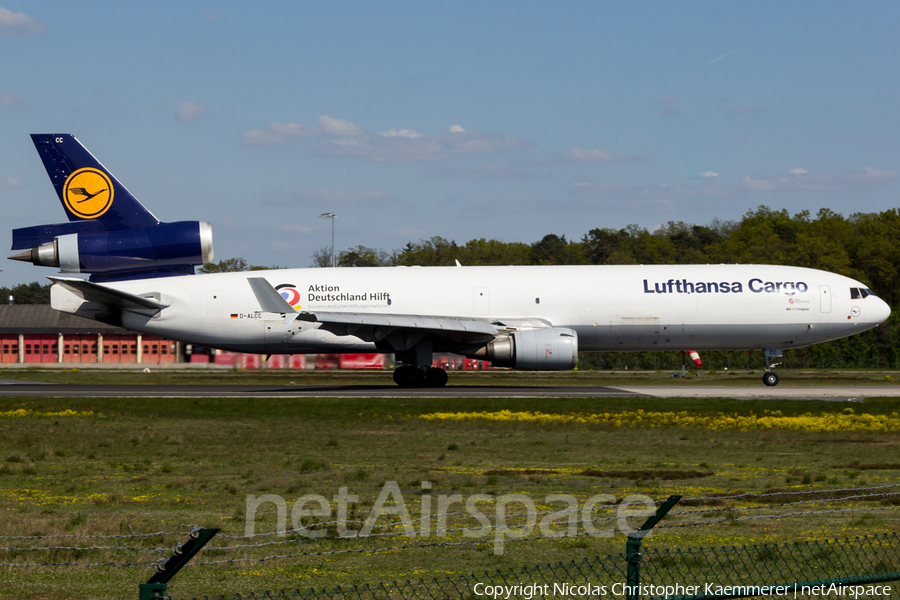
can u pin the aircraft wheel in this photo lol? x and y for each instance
(407, 377)
(770, 378)
(435, 377)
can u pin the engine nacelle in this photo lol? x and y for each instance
(174, 247)
(534, 350)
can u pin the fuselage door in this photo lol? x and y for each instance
(825, 296)
(638, 331)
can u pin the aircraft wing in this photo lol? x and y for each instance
(99, 294)
(377, 325)
(456, 327)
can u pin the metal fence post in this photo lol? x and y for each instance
(152, 591)
(633, 548)
(155, 588)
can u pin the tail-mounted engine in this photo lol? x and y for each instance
(163, 249)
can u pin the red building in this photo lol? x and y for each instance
(35, 333)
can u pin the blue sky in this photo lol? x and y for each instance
(505, 120)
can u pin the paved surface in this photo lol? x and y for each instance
(779, 392)
(10, 387)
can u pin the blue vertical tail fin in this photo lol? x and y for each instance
(109, 233)
(87, 191)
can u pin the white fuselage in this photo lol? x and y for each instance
(661, 307)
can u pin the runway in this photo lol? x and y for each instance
(13, 388)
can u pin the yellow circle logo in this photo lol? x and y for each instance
(88, 193)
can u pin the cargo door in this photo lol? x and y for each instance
(825, 296)
(637, 333)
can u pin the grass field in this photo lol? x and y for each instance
(119, 466)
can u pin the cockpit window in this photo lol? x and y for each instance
(857, 293)
(854, 293)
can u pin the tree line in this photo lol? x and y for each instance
(864, 246)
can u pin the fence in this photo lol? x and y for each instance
(836, 567)
(698, 574)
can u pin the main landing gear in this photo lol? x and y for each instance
(417, 371)
(409, 376)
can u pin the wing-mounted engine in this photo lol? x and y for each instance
(553, 349)
(163, 249)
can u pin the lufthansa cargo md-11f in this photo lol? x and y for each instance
(531, 318)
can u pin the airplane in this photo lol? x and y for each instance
(521, 317)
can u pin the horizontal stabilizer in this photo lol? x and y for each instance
(100, 294)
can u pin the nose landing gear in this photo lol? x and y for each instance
(770, 377)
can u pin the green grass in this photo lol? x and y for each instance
(149, 465)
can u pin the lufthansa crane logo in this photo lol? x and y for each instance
(88, 193)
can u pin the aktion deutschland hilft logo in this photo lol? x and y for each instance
(88, 193)
(289, 292)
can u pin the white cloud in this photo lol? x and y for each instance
(19, 24)
(756, 183)
(668, 105)
(8, 99)
(593, 155)
(801, 179)
(580, 155)
(298, 228)
(870, 175)
(212, 15)
(293, 128)
(11, 182)
(398, 146)
(278, 133)
(708, 174)
(400, 149)
(331, 126)
(408, 133)
(187, 110)
(496, 171)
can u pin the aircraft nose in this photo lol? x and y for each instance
(880, 312)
